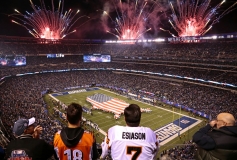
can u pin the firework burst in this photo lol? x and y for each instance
(48, 24)
(132, 18)
(195, 17)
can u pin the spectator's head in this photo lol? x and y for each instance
(24, 126)
(74, 113)
(225, 119)
(132, 115)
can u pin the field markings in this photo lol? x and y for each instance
(174, 136)
(153, 105)
(57, 100)
(162, 143)
(181, 132)
(104, 123)
(163, 119)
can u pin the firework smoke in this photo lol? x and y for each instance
(48, 24)
(195, 17)
(133, 18)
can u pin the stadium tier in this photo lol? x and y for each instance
(202, 77)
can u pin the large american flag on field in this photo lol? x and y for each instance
(106, 103)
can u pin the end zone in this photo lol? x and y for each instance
(175, 128)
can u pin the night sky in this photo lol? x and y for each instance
(94, 28)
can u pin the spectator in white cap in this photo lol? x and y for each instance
(25, 126)
(27, 144)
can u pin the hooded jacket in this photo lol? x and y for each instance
(71, 136)
(75, 143)
(216, 144)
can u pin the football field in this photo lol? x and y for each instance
(167, 122)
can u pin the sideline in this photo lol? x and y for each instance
(50, 95)
(165, 141)
(152, 105)
(100, 130)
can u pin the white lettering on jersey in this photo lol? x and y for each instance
(75, 154)
(130, 143)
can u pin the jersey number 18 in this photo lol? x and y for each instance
(73, 154)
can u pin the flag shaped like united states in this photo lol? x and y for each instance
(106, 103)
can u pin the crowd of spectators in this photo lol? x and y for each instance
(25, 92)
(40, 64)
(190, 60)
(213, 52)
(21, 96)
(185, 151)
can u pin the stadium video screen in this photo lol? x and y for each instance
(96, 58)
(12, 60)
(55, 55)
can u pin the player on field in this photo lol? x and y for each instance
(73, 143)
(130, 142)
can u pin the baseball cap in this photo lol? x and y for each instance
(21, 124)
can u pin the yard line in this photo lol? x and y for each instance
(152, 105)
(103, 121)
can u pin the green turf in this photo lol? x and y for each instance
(156, 119)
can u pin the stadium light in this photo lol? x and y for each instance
(214, 37)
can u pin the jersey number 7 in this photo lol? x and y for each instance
(137, 150)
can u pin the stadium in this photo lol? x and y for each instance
(180, 84)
